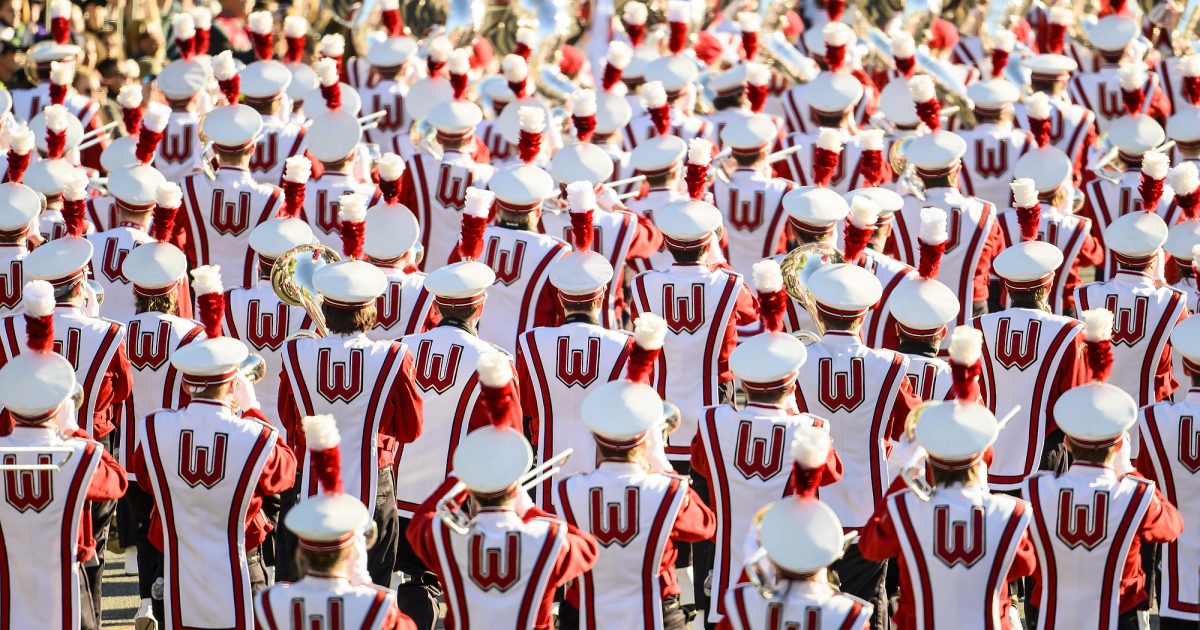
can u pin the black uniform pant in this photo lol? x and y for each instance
(87, 608)
(1168, 623)
(417, 596)
(673, 615)
(102, 513)
(864, 579)
(139, 504)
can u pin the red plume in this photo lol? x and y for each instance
(1029, 219)
(212, 311)
(164, 221)
(834, 9)
(17, 163)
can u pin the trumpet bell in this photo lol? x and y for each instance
(799, 265)
(778, 53)
(292, 278)
(253, 368)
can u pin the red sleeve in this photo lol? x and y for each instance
(108, 482)
(402, 414)
(548, 311)
(577, 555)
(1143, 462)
(728, 343)
(396, 620)
(179, 233)
(878, 540)
(1025, 561)
(699, 458)
(1164, 375)
(1090, 252)
(139, 468)
(906, 401)
(1089, 139)
(481, 154)
(119, 376)
(420, 528)
(746, 307)
(1071, 372)
(1162, 522)
(90, 157)
(830, 473)
(646, 238)
(279, 473)
(694, 522)
(992, 246)
(289, 413)
(1160, 105)
(528, 397)
(408, 189)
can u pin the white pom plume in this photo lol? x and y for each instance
(1189, 65)
(352, 208)
(654, 94)
(75, 185)
(440, 49)
(183, 26)
(38, 298)
(260, 22)
(933, 226)
(327, 71)
(1155, 164)
(295, 26)
(649, 331)
(837, 34)
(62, 72)
(700, 152)
(391, 167)
(56, 118)
(583, 103)
(1024, 193)
(871, 139)
(332, 45)
(532, 119)
(864, 212)
(1132, 76)
(1038, 106)
(829, 139)
(297, 169)
(494, 369)
(207, 279)
(460, 61)
(202, 17)
(168, 195)
(20, 140)
(156, 117)
(1195, 252)
(222, 66)
(921, 89)
(635, 13)
(966, 345)
(619, 54)
(749, 22)
(515, 68)
(903, 45)
(581, 196)
(389, 5)
(478, 202)
(130, 96)
(810, 447)
(1004, 40)
(320, 432)
(757, 74)
(1184, 179)
(679, 11)
(1097, 324)
(60, 9)
(129, 68)
(1061, 15)
(767, 276)
(526, 36)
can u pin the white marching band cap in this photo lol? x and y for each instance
(333, 136)
(993, 94)
(1184, 125)
(390, 232)
(749, 134)
(1181, 239)
(136, 187)
(19, 206)
(314, 102)
(814, 209)
(657, 155)
(1185, 339)
(612, 113)
(329, 520)
(581, 161)
(936, 153)
(896, 105)
(1113, 33)
(955, 432)
(521, 188)
(49, 177)
(391, 52)
(1135, 135)
(491, 459)
(264, 80)
(60, 262)
(119, 154)
(461, 283)
(580, 273)
(232, 127)
(620, 412)
(1137, 235)
(801, 535)
(47, 51)
(349, 283)
(676, 72)
(688, 223)
(455, 118)
(1095, 414)
(843, 290)
(1048, 167)
(1050, 66)
(889, 201)
(1027, 265)
(152, 267)
(74, 132)
(181, 79)
(768, 357)
(215, 358)
(274, 237)
(34, 384)
(304, 80)
(833, 92)
(498, 92)
(730, 82)
(923, 306)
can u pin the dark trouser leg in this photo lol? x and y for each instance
(271, 508)
(979, 308)
(381, 558)
(865, 580)
(1055, 456)
(417, 597)
(285, 540)
(1150, 553)
(1127, 621)
(102, 513)
(568, 616)
(150, 560)
(1167, 623)
(674, 617)
(87, 609)
(257, 569)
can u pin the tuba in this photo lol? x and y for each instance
(292, 279)
(797, 267)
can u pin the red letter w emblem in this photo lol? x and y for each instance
(433, 371)
(1082, 524)
(28, 489)
(1189, 445)
(507, 264)
(957, 542)
(684, 313)
(10, 285)
(613, 522)
(990, 162)
(229, 217)
(746, 215)
(759, 457)
(1017, 348)
(495, 567)
(841, 390)
(339, 379)
(148, 348)
(577, 366)
(202, 465)
(1129, 324)
(112, 260)
(452, 189)
(266, 328)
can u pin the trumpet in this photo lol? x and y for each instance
(797, 267)
(459, 522)
(292, 279)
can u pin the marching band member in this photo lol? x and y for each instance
(994, 146)
(19, 208)
(832, 150)
(1118, 86)
(208, 467)
(367, 385)
(36, 390)
(1071, 127)
(835, 380)
(803, 102)
(939, 540)
(746, 457)
(636, 512)
(386, 91)
(219, 213)
(487, 129)
(263, 86)
(56, 133)
(658, 160)
(504, 566)
(669, 94)
(1030, 358)
(612, 114)
(390, 244)
(868, 223)
(181, 82)
(813, 214)
(557, 366)
(1090, 519)
(1169, 459)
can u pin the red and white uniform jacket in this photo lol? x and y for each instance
(321, 204)
(621, 167)
(929, 377)
(879, 326)
(445, 379)
(618, 235)
(1170, 457)
(644, 205)
(503, 572)
(1072, 235)
(798, 167)
(392, 130)
(686, 127)
(1191, 295)
(1170, 80)
(1105, 202)
(278, 141)
(12, 280)
(368, 386)
(403, 309)
(866, 399)
(436, 190)
(502, 152)
(1030, 358)
(1100, 91)
(96, 349)
(798, 604)
(975, 240)
(110, 248)
(328, 601)
(1144, 314)
(636, 517)
(963, 545)
(1072, 129)
(26, 104)
(990, 162)
(702, 306)
(746, 458)
(50, 224)
(522, 297)
(179, 152)
(800, 117)
(208, 470)
(1091, 522)
(755, 223)
(150, 341)
(214, 224)
(40, 518)
(257, 317)
(558, 366)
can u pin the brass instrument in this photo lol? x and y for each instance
(780, 55)
(253, 368)
(66, 451)
(292, 279)
(797, 267)
(460, 522)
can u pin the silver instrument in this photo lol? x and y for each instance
(459, 522)
(66, 451)
(292, 279)
(797, 267)
(913, 471)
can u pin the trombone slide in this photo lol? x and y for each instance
(65, 450)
